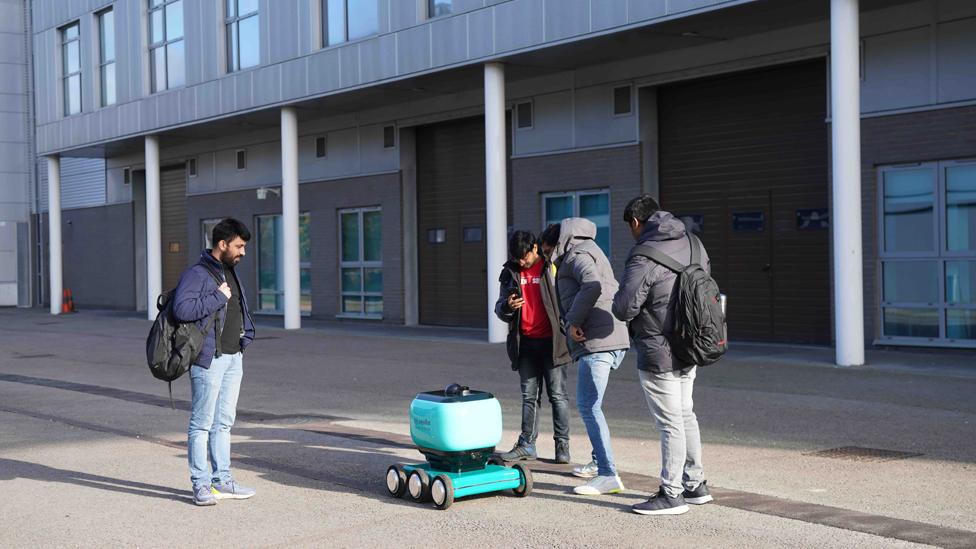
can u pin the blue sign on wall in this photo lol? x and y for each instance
(815, 219)
(749, 221)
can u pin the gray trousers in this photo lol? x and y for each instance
(669, 399)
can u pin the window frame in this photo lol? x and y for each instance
(67, 76)
(630, 103)
(515, 113)
(430, 10)
(165, 43)
(302, 266)
(324, 25)
(234, 46)
(575, 195)
(361, 264)
(103, 62)
(940, 254)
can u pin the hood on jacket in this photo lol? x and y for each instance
(572, 230)
(662, 226)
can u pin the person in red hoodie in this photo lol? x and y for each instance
(527, 301)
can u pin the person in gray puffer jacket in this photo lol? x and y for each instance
(597, 341)
(645, 300)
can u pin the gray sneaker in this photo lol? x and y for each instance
(589, 470)
(231, 490)
(203, 496)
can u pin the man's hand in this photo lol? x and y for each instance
(515, 302)
(577, 334)
(224, 289)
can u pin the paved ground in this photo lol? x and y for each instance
(92, 455)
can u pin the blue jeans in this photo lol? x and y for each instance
(594, 372)
(215, 392)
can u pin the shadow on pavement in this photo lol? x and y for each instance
(11, 469)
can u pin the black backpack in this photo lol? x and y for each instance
(172, 346)
(699, 335)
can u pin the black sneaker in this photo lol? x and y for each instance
(519, 453)
(562, 452)
(698, 496)
(661, 504)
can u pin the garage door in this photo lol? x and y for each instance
(744, 159)
(451, 223)
(172, 195)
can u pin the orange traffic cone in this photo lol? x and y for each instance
(67, 301)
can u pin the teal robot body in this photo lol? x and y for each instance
(457, 430)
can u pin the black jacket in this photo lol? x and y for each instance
(645, 297)
(509, 284)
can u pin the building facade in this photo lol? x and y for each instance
(381, 149)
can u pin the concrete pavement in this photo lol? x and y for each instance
(91, 455)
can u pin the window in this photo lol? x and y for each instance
(206, 229)
(126, 176)
(592, 205)
(106, 55)
(928, 253)
(361, 262)
(389, 137)
(344, 20)
(71, 68)
(271, 284)
(167, 59)
(241, 159)
(622, 103)
(243, 34)
(191, 167)
(320, 147)
(437, 8)
(523, 115)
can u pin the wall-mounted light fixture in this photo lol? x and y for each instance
(263, 192)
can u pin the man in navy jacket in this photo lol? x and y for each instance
(210, 295)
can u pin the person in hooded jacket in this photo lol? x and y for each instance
(527, 302)
(597, 341)
(645, 302)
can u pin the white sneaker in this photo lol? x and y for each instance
(600, 485)
(589, 470)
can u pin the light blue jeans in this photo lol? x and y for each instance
(669, 397)
(594, 372)
(215, 392)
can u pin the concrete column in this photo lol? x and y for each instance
(845, 101)
(54, 230)
(408, 199)
(154, 239)
(496, 226)
(289, 218)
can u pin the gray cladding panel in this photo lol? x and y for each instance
(478, 28)
(565, 18)
(373, 157)
(595, 123)
(379, 57)
(646, 9)
(481, 33)
(448, 40)
(11, 16)
(283, 23)
(957, 60)
(323, 71)
(413, 49)
(552, 125)
(518, 24)
(897, 72)
(87, 233)
(608, 13)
